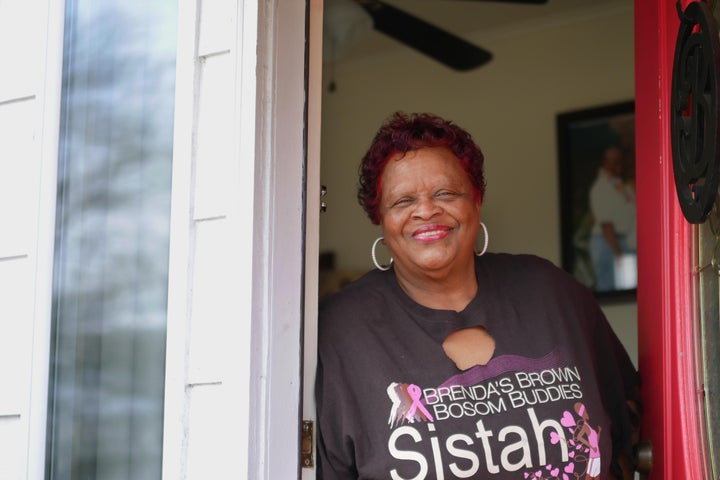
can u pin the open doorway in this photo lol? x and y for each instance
(546, 59)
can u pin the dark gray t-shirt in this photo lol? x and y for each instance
(550, 404)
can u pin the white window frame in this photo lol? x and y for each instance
(272, 104)
(48, 137)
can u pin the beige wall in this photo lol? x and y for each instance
(579, 59)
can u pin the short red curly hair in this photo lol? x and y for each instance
(402, 133)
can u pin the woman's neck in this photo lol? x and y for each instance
(441, 291)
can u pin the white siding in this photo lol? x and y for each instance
(209, 294)
(233, 384)
(30, 43)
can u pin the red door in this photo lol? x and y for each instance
(671, 396)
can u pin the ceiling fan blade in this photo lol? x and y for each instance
(424, 37)
(535, 2)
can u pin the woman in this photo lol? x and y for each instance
(456, 364)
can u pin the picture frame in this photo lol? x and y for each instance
(596, 165)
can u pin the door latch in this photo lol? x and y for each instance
(307, 444)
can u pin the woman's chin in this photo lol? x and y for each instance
(430, 264)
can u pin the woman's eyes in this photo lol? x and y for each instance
(403, 201)
(447, 194)
(442, 195)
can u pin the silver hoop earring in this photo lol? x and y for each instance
(487, 240)
(374, 258)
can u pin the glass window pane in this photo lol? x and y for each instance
(709, 301)
(105, 413)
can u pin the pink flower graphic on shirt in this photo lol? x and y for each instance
(407, 405)
(584, 446)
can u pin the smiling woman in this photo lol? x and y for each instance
(430, 216)
(446, 319)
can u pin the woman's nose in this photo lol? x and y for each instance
(426, 207)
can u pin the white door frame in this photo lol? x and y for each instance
(281, 173)
(312, 215)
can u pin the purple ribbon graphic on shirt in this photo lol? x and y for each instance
(503, 364)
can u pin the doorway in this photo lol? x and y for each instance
(545, 62)
(562, 46)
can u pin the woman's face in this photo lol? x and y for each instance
(428, 212)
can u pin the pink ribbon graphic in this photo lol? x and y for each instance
(415, 393)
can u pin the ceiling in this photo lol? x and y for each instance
(482, 19)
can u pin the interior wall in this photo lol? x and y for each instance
(581, 59)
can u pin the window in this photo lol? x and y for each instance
(709, 334)
(105, 406)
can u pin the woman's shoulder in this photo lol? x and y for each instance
(527, 261)
(529, 270)
(350, 320)
(367, 284)
(356, 300)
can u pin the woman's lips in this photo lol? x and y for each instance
(431, 233)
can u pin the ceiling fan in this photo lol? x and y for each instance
(441, 45)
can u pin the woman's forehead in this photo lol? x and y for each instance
(426, 164)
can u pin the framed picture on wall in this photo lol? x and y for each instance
(596, 150)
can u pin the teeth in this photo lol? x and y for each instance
(430, 233)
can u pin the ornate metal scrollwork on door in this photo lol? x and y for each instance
(695, 129)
